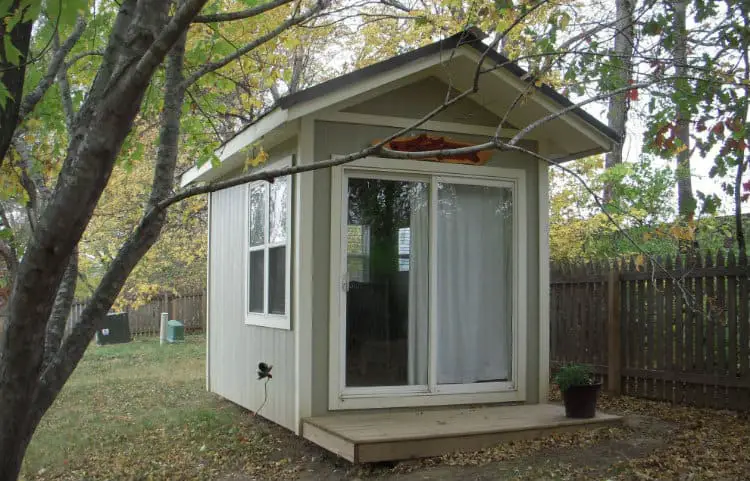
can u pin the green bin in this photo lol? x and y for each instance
(175, 331)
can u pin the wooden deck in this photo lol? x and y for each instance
(406, 434)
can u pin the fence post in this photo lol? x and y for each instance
(163, 327)
(614, 361)
(166, 304)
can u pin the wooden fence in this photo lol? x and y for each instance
(144, 319)
(678, 331)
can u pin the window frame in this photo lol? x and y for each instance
(265, 318)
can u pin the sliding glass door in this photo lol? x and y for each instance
(429, 284)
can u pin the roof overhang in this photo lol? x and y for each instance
(574, 134)
(272, 128)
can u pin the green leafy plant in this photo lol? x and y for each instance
(574, 375)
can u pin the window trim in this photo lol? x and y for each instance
(266, 319)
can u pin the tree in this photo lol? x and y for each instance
(580, 230)
(617, 112)
(35, 358)
(686, 203)
(177, 261)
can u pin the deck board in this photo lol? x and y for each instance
(404, 434)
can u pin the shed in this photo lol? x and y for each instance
(403, 304)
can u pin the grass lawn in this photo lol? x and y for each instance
(140, 411)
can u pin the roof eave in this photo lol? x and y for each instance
(270, 121)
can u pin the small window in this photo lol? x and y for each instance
(268, 253)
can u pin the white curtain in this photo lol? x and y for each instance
(419, 284)
(474, 283)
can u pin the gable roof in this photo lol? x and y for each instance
(472, 38)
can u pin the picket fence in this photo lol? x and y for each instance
(144, 318)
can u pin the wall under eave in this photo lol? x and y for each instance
(333, 138)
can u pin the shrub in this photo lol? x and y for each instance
(574, 375)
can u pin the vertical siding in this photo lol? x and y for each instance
(336, 139)
(419, 98)
(236, 348)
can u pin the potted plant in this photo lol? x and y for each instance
(579, 390)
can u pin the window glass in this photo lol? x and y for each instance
(256, 210)
(277, 280)
(277, 211)
(257, 262)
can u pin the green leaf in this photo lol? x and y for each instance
(501, 5)
(32, 9)
(12, 54)
(652, 27)
(12, 21)
(70, 10)
(5, 7)
(4, 95)
(564, 20)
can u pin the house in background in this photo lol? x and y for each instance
(392, 297)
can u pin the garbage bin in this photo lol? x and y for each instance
(175, 331)
(115, 329)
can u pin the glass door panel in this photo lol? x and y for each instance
(387, 291)
(474, 283)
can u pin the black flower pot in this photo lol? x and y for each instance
(580, 401)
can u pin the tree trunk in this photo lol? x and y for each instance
(617, 115)
(685, 201)
(14, 444)
(27, 388)
(13, 77)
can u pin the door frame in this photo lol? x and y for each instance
(433, 394)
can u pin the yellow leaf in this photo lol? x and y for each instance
(640, 261)
(261, 158)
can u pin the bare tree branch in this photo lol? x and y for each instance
(116, 43)
(397, 5)
(524, 131)
(241, 15)
(166, 39)
(58, 61)
(290, 22)
(27, 182)
(61, 309)
(80, 56)
(6, 252)
(62, 82)
(8, 249)
(499, 38)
